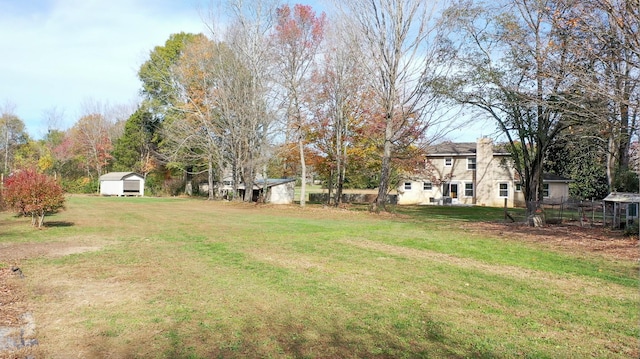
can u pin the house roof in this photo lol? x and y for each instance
(623, 197)
(452, 148)
(449, 148)
(117, 176)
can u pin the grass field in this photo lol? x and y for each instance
(181, 278)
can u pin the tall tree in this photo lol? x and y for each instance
(92, 143)
(12, 135)
(514, 65)
(339, 100)
(161, 95)
(157, 77)
(298, 35)
(606, 41)
(399, 38)
(135, 149)
(194, 140)
(247, 102)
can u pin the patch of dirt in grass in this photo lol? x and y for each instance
(568, 237)
(17, 325)
(15, 252)
(17, 330)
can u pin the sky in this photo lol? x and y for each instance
(59, 54)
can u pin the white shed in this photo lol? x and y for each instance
(122, 184)
(626, 203)
(280, 190)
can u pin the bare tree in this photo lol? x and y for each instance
(299, 33)
(92, 142)
(245, 103)
(515, 65)
(605, 39)
(53, 118)
(399, 37)
(338, 100)
(248, 40)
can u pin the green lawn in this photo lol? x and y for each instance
(180, 278)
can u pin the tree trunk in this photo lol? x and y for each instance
(611, 155)
(249, 179)
(330, 187)
(210, 181)
(341, 157)
(303, 174)
(235, 179)
(385, 171)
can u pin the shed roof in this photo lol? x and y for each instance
(117, 176)
(551, 177)
(270, 182)
(623, 197)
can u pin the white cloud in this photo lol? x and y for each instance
(60, 53)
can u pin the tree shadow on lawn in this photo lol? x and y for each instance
(58, 224)
(461, 213)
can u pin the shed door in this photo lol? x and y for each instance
(132, 186)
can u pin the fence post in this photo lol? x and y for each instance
(505, 209)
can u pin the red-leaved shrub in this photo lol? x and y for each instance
(33, 194)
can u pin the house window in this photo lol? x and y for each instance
(468, 189)
(427, 186)
(518, 186)
(407, 186)
(545, 190)
(471, 163)
(448, 161)
(504, 190)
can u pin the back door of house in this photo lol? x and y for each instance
(454, 190)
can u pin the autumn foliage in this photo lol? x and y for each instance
(34, 194)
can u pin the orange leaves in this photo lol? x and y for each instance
(300, 28)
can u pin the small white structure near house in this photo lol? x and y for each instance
(623, 203)
(121, 184)
(278, 190)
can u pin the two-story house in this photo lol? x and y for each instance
(472, 173)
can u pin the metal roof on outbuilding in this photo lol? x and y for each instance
(623, 197)
(273, 182)
(551, 177)
(117, 176)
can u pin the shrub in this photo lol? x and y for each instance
(34, 194)
(80, 185)
(632, 229)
